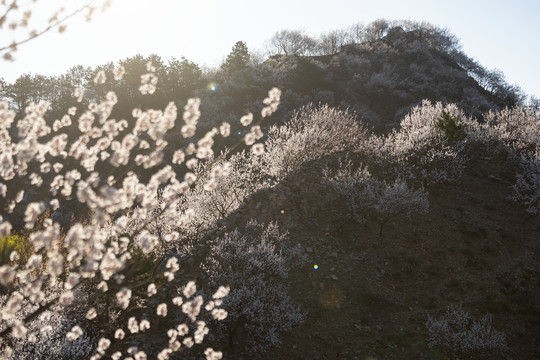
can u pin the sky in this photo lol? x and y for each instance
(499, 34)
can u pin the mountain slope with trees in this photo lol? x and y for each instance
(382, 203)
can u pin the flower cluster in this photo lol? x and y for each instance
(96, 161)
(311, 133)
(271, 102)
(148, 80)
(253, 259)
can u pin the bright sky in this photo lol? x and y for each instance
(499, 34)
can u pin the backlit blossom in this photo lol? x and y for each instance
(33, 210)
(246, 119)
(119, 72)
(146, 241)
(91, 313)
(74, 333)
(144, 325)
(188, 342)
(219, 314)
(190, 289)
(66, 298)
(78, 92)
(103, 344)
(191, 111)
(151, 289)
(100, 78)
(178, 157)
(257, 149)
(19, 331)
(72, 281)
(213, 355)
(172, 263)
(249, 139)
(119, 334)
(133, 326)
(201, 331)
(193, 308)
(5, 228)
(257, 132)
(123, 297)
(192, 163)
(102, 286)
(271, 102)
(221, 292)
(94, 178)
(162, 310)
(183, 329)
(225, 129)
(177, 301)
(140, 355)
(165, 354)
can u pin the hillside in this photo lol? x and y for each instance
(372, 295)
(383, 79)
(380, 80)
(382, 203)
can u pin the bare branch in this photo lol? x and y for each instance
(60, 24)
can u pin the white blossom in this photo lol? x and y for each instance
(119, 72)
(74, 333)
(212, 355)
(162, 310)
(91, 313)
(119, 334)
(123, 297)
(133, 326)
(144, 325)
(100, 78)
(246, 119)
(190, 289)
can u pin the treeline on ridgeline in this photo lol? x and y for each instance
(380, 71)
(378, 206)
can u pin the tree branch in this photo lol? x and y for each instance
(51, 26)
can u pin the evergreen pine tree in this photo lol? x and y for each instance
(237, 59)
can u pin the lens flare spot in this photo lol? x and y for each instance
(283, 211)
(212, 86)
(316, 267)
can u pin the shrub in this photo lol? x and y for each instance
(253, 261)
(368, 196)
(517, 129)
(526, 190)
(420, 150)
(234, 181)
(456, 331)
(311, 133)
(515, 132)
